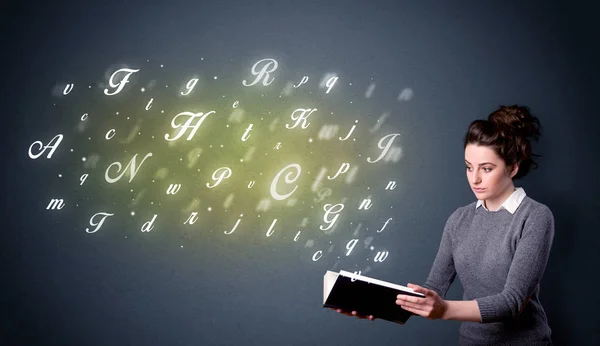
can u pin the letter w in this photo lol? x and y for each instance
(173, 189)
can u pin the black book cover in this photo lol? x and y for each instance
(367, 299)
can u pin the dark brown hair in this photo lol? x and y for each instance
(508, 131)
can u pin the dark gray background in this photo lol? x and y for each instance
(60, 286)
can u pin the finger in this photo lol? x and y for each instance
(411, 305)
(414, 310)
(416, 300)
(355, 313)
(420, 289)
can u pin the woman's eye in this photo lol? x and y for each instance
(468, 168)
(487, 170)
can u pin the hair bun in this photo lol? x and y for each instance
(517, 120)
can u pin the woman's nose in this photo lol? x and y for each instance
(475, 178)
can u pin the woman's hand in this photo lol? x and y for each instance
(431, 307)
(354, 313)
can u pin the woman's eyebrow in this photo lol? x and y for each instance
(481, 164)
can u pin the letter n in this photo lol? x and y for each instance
(366, 204)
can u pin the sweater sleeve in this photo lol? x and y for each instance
(442, 272)
(526, 270)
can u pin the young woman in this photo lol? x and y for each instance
(498, 245)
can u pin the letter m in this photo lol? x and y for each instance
(55, 204)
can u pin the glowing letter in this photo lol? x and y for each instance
(188, 124)
(263, 73)
(68, 88)
(304, 80)
(55, 203)
(351, 130)
(366, 204)
(391, 185)
(132, 169)
(58, 138)
(148, 226)
(330, 83)
(350, 246)
(122, 83)
(246, 134)
(314, 258)
(381, 256)
(83, 178)
(343, 169)
(385, 147)
(173, 189)
(329, 210)
(297, 235)
(385, 224)
(219, 175)
(234, 227)
(270, 231)
(192, 219)
(99, 223)
(110, 134)
(289, 178)
(149, 105)
(251, 184)
(301, 117)
(190, 85)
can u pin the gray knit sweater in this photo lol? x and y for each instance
(499, 258)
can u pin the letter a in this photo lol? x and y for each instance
(58, 138)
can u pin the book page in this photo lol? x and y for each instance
(379, 282)
(328, 282)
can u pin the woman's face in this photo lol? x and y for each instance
(487, 173)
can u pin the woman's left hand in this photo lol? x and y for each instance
(431, 307)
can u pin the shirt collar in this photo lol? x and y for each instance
(511, 204)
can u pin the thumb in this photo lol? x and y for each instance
(418, 288)
(413, 286)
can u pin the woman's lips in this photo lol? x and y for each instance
(478, 190)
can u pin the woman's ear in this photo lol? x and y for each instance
(515, 169)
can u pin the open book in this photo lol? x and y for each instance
(365, 295)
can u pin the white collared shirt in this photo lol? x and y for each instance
(511, 204)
